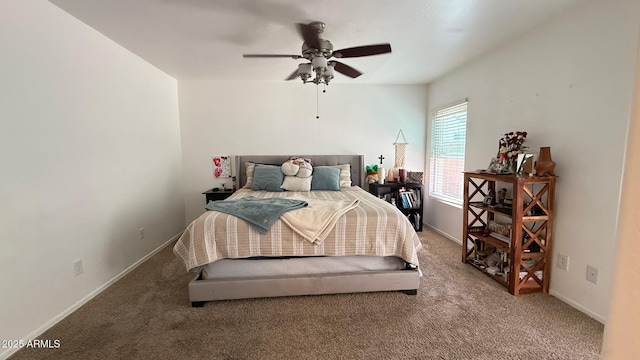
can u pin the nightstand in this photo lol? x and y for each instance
(215, 195)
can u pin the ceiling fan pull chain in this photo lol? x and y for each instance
(317, 106)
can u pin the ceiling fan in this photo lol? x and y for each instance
(318, 51)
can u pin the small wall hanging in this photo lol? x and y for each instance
(221, 167)
(400, 150)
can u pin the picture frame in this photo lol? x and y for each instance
(221, 166)
(495, 167)
(524, 163)
(488, 200)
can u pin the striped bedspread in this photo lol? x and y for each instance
(374, 227)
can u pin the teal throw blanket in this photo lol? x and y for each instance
(261, 214)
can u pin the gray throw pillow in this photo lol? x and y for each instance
(267, 177)
(325, 178)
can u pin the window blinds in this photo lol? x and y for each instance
(448, 137)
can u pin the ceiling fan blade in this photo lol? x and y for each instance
(292, 76)
(309, 35)
(366, 50)
(346, 69)
(270, 56)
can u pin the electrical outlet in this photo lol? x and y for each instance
(592, 274)
(77, 267)
(141, 233)
(563, 262)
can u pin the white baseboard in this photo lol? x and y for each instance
(594, 315)
(444, 234)
(46, 326)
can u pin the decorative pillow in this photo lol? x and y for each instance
(325, 178)
(267, 177)
(290, 168)
(305, 170)
(294, 183)
(296, 166)
(301, 159)
(345, 174)
(250, 168)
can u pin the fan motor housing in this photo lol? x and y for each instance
(326, 49)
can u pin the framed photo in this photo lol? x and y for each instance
(221, 167)
(524, 163)
(495, 167)
(487, 200)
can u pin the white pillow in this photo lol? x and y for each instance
(295, 183)
(305, 169)
(290, 168)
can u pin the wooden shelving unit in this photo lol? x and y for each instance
(524, 264)
(393, 190)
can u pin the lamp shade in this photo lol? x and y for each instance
(319, 62)
(327, 75)
(329, 72)
(304, 71)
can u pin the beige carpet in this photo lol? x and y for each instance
(457, 314)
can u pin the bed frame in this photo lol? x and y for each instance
(406, 280)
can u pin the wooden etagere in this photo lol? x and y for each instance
(521, 261)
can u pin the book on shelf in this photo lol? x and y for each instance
(414, 219)
(497, 227)
(417, 196)
(500, 237)
(408, 199)
(404, 200)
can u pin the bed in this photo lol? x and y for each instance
(371, 248)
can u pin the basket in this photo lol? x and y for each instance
(415, 177)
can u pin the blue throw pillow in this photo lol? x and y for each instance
(325, 178)
(267, 177)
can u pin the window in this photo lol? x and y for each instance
(448, 137)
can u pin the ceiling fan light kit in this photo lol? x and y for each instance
(318, 51)
(304, 72)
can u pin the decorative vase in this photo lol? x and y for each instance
(505, 167)
(510, 166)
(381, 175)
(390, 176)
(545, 165)
(402, 173)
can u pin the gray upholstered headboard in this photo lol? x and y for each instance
(356, 161)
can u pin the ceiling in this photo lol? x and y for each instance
(205, 39)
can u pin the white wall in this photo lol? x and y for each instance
(219, 118)
(568, 84)
(90, 153)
